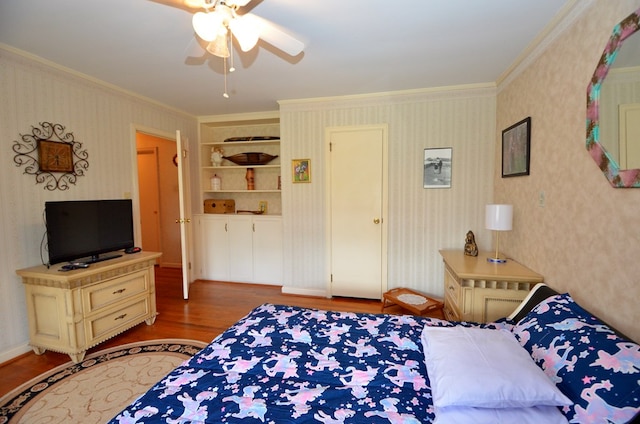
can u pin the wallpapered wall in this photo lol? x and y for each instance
(585, 239)
(421, 221)
(101, 119)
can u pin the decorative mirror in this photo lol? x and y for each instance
(613, 107)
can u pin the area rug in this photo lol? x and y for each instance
(96, 389)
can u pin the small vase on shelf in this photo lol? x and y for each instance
(216, 156)
(250, 179)
(216, 183)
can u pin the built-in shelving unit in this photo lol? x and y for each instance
(213, 133)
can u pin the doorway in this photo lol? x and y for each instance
(149, 183)
(357, 210)
(158, 197)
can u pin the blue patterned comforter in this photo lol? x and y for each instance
(283, 364)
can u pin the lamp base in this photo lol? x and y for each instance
(496, 260)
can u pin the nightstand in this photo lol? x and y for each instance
(480, 291)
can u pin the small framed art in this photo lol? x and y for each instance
(437, 168)
(516, 147)
(55, 156)
(301, 170)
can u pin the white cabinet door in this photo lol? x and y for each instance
(240, 248)
(267, 250)
(214, 245)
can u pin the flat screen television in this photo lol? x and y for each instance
(88, 231)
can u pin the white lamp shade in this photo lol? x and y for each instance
(245, 32)
(208, 25)
(499, 217)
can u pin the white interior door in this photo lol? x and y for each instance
(149, 198)
(185, 212)
(357, 174)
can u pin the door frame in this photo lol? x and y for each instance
(135, 195)
(385, 199)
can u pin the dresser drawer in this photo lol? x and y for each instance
(120, 289)
(451, 308)
(105, 326)
(451, 286)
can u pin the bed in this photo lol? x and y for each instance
(284, 364)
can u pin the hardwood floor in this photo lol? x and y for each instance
(212, 308)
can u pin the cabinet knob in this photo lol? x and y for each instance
(376, 220)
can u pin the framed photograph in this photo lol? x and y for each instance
(55, 156)
(437, 168)
(516, 147)
(301, 169)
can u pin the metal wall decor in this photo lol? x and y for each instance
(52, 155)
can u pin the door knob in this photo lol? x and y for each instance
(376, 220)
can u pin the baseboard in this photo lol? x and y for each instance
(305, 292)
(10, 354)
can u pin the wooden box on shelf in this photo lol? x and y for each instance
(219, 206)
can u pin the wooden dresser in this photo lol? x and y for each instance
(72, 311)
(480, 291)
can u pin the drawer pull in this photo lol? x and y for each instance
(451, 288)
(120, 317)
(119, 291)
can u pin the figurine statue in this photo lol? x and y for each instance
(470, 246)
(216, 156)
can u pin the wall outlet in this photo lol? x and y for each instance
(541, 199)
(262, 206)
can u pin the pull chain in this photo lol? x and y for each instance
(225, 95)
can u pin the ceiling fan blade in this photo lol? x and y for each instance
(275, 35)
(188, 5)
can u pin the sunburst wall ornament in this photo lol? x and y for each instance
(52, 155)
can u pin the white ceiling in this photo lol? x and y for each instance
(352, 47)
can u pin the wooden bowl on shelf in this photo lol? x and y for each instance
(250, 158)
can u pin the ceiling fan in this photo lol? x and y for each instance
(219, 20)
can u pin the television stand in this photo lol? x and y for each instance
(70, 312)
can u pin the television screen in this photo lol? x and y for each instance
(82, 230)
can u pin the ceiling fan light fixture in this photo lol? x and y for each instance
(246, 33)
(219, 47)
(208, 25)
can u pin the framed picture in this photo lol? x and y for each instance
(301, 169)
(55, 156)
(437, 168)
(516, 147)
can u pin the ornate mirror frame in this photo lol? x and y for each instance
(607, 164)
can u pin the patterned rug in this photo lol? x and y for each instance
(96, 389)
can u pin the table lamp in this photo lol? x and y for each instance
(498, 218)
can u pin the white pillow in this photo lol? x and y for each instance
(484, 368)
(532, 415)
